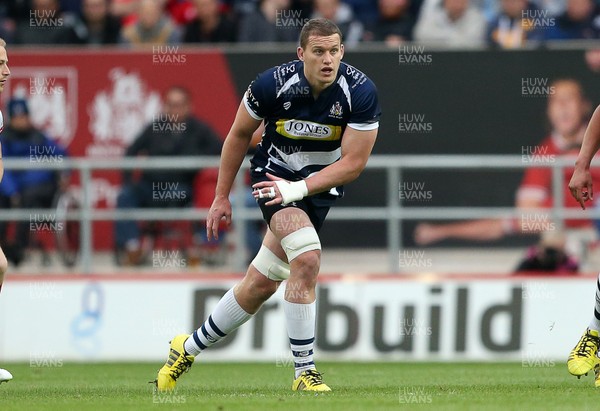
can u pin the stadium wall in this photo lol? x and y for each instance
(95, 101)
(51, 320)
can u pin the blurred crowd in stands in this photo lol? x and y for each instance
(445, 23)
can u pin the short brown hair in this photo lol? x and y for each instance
(318, 27)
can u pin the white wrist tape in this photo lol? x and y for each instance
(291, 191)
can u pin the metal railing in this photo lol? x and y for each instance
(393, 212)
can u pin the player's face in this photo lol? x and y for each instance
(4, 70)
(566, 108)
(322, 57)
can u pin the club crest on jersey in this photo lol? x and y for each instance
(287, 105)
(336, 110)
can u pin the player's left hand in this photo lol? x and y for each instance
(268, 189)
(581, 186)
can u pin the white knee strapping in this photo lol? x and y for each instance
(271, 266)
(300, 241)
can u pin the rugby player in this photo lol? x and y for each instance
(4, 73)
(584, 357)
(321, 118)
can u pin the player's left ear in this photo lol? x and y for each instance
(342, 50)
(300, 53)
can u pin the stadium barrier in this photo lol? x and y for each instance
(95, 101)
(532, 320)
(392, 213)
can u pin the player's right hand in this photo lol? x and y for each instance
(581, 186)
(219, 210)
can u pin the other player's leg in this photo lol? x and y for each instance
(597, 375)
(4, 375)
(584, 356)
(236, 307)
(302, 247)
(3, 267)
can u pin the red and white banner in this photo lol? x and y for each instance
(96, 102)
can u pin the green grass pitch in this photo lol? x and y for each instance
(265, 387)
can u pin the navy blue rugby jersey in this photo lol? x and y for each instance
(303, 135)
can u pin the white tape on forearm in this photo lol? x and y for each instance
(291, 191)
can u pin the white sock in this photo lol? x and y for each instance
(300, 321)
(226, 317)
(595, 323)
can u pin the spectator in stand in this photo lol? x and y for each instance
(45, 24)
(568, 112)
(182, 12)
(489, 8)
(71, 6)
(343, 16)
(366, 11)
(96, 25)
(269, 23)
(395, 24)
(18, 10)
(176, 132)
(210, 25)
(581, 20)
(303, 7)
(7, 25)
(32, 188)
(124, 10)
(592, 60)
(452, 23)
(508, 30)
(552, 7)
(240, 7)
(549, 256)
(152, 28)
